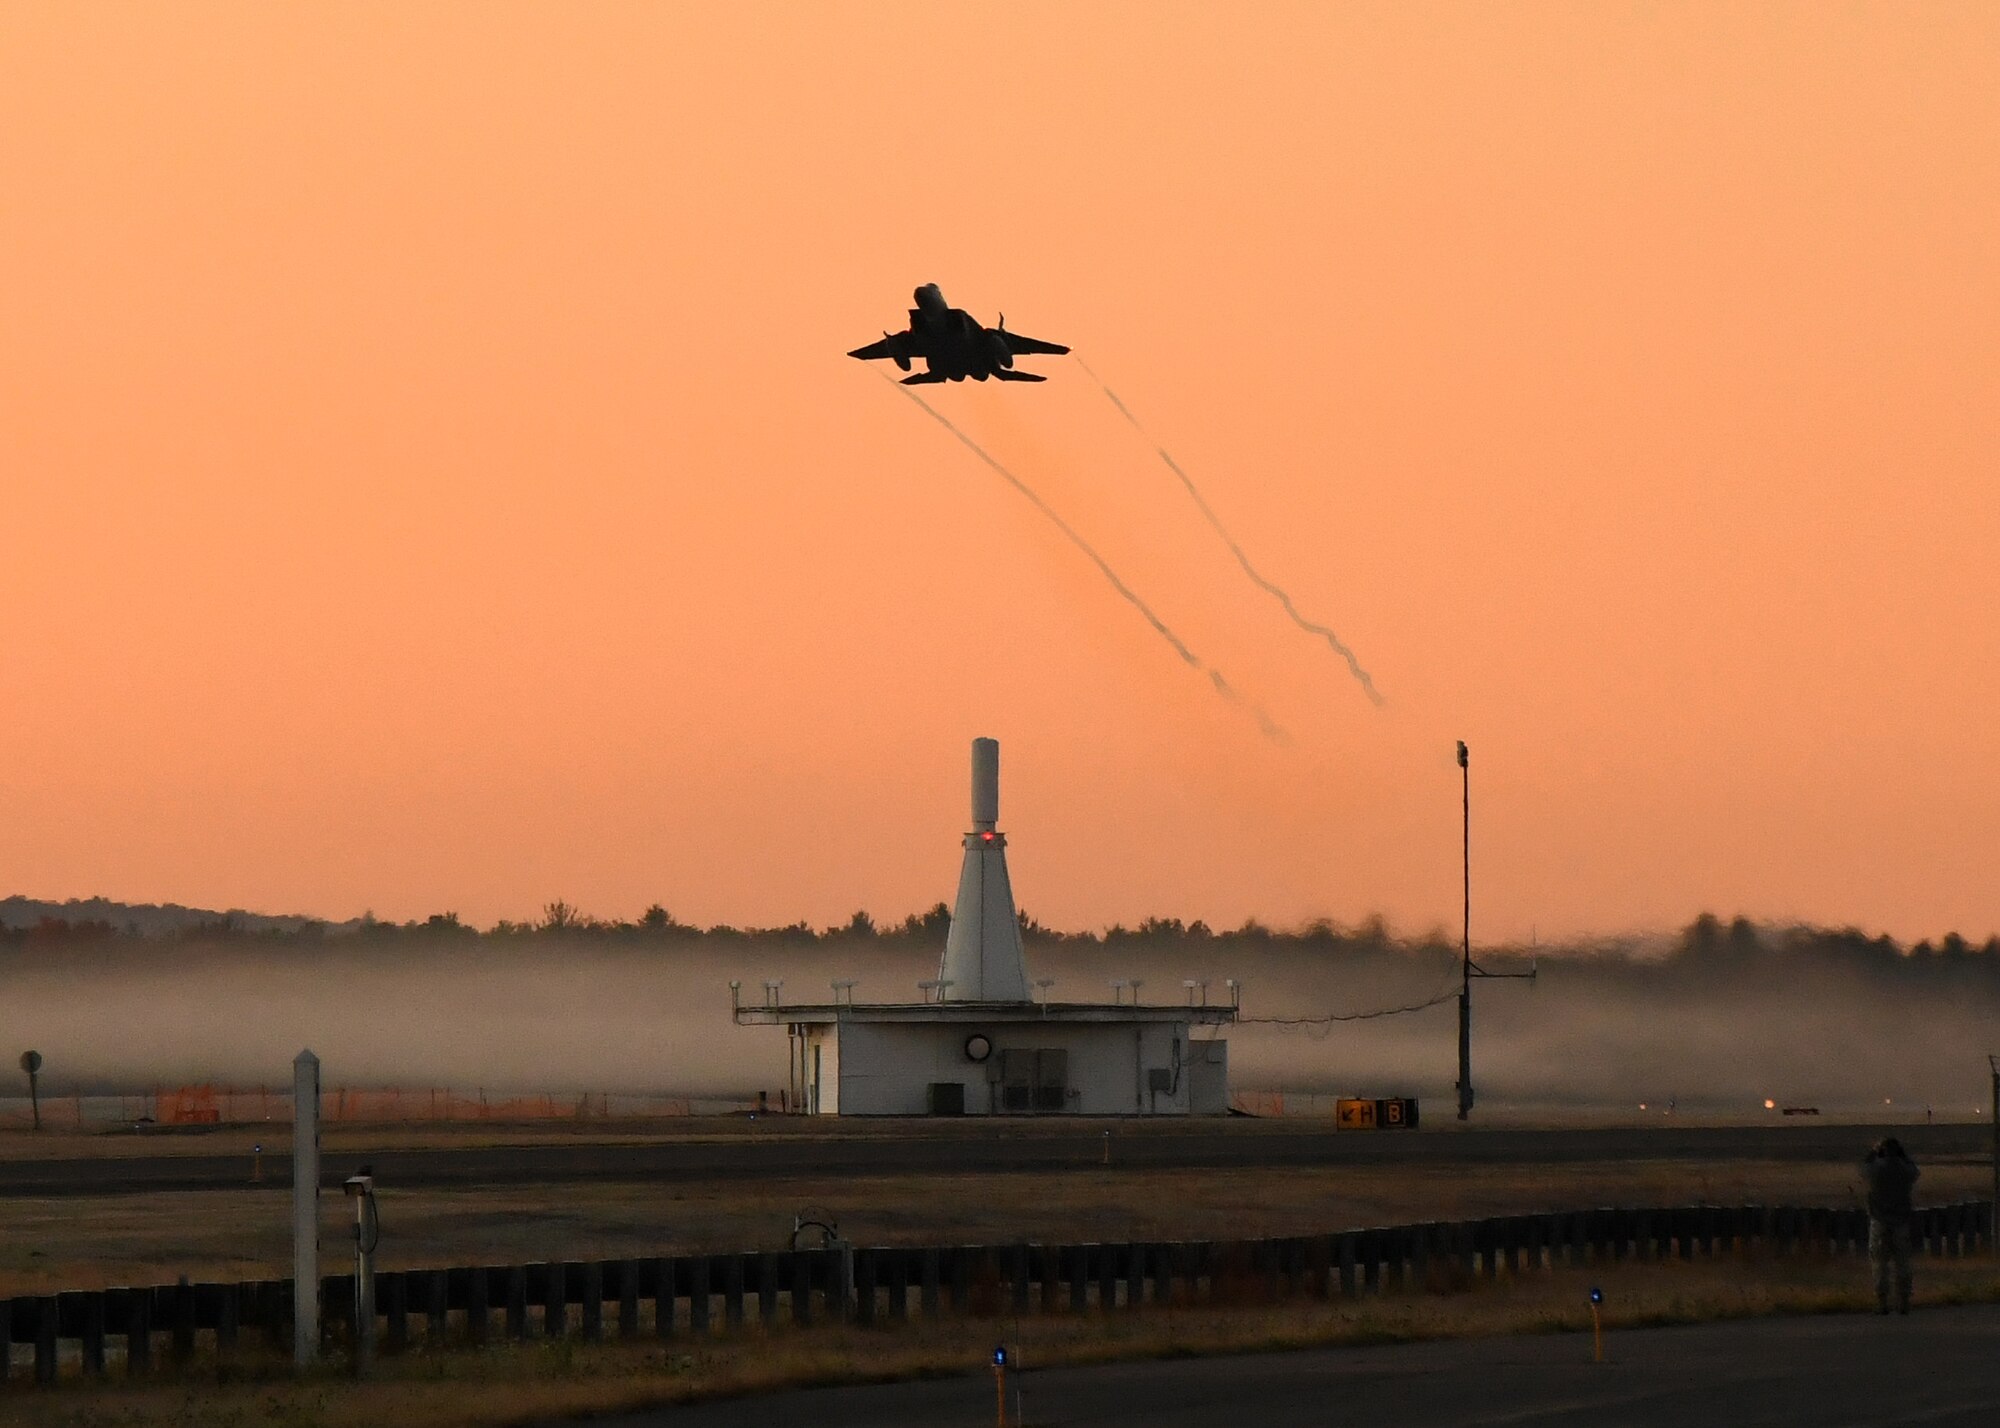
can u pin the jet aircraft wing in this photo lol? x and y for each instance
(1019, 345)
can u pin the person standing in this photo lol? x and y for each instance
(1890, 1175)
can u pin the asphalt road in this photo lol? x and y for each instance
(1939, 1368)
(995, 1147)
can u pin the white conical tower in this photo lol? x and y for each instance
(982, 952)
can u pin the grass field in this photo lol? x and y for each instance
(77, 1241)
(510, 1384)
(84, 1242)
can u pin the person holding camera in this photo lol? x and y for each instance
(1890, 1175)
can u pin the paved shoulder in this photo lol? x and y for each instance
(1940, 1367)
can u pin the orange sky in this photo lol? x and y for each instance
(433, 479)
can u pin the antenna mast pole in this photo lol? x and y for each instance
(1468, 969)
(1993, 1064)
(1465, 941)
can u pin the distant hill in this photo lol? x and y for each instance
(148, 919)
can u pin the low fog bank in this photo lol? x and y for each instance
(1717, 1019)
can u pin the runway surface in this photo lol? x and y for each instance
(967, 1147)
(1938, 1367)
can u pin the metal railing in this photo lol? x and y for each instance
(668, 1296)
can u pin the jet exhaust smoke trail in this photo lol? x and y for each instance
(1223, 687)
(1353, 664)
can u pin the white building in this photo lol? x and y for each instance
(981, 1044)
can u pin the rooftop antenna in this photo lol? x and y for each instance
(1136, 982)
(982, 949)
(846, 987)
(1044, 983)
(735, 995)
(771, 991)
(1118, 992)
(1235, 992)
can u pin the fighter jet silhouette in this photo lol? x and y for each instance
(954, 345)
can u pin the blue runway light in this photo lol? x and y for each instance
(1596, 1295)
(1000, 1356)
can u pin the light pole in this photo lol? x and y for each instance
(1468, 969)
(1993, 1065)
(1465, 939)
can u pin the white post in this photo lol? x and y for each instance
(366, 1229)
(305, 1208)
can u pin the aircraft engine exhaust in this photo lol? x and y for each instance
(1269, 587)
(1270, 727)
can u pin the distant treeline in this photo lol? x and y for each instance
(1708, 940)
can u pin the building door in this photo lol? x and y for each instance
(1034, 1081)
(1051, 1080)
(1017, 1081)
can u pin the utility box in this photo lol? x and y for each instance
(947, 1098)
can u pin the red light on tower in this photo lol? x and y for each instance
(987, 837)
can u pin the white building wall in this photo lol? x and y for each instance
(887, 1068)
(823, 1043)
(886, 1071)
